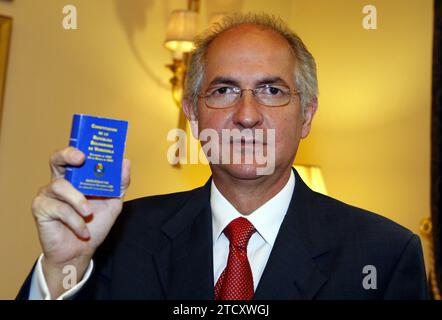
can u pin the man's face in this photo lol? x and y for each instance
(246, 57)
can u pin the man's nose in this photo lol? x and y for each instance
(247, 111)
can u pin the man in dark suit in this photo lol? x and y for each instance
(244, 234)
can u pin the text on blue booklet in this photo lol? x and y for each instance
(102, 141)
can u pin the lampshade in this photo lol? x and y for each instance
(181, 30)
(312, 176)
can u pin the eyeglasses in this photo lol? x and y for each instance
(269, 95)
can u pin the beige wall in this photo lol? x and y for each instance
(371, 134)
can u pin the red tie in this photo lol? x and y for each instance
(236, 281)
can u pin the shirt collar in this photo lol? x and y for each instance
(267, 219)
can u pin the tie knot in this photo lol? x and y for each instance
(239, 232)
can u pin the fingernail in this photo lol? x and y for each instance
(77, 156)
(85, 233)
(86, 210)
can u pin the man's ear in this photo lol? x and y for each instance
(189, 111)
(309, 112)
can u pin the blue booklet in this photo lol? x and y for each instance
(102, 141)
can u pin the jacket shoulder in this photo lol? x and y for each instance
(155, 210)
(360, 239)
(352, 223)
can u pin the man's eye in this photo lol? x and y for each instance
(273, 91)
(221, 91)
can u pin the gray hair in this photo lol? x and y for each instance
(305, 68)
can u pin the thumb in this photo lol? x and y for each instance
(125, 177)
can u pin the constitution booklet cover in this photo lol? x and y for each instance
(102, 141)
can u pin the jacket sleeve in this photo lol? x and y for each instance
(408, 280)
(23, 294)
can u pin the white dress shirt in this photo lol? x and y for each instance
(39, 289)
(267, 220)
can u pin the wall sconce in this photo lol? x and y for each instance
(312, 176)
(181, 30)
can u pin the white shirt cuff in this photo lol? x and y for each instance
(39, 289)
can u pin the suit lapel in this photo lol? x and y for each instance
(185, 264)
(293, 270)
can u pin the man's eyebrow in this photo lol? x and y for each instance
(235, 83)
(224, 80)
(270, 80)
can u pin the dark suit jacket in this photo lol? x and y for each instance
(161, 248)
